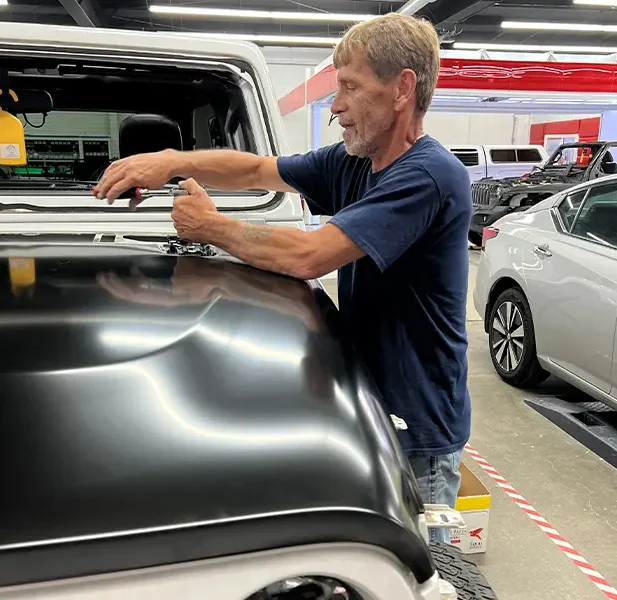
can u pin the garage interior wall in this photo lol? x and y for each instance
(288, 69)
(462, 128)
(478, 128)
(457, 128)
(553, 118)
(587, 129)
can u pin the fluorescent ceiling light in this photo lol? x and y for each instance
(597, 2)
(413, 6)
(288, 40)
(241, 14)
(580, 27)
(535, 48)
(4, 2)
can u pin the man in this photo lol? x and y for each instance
(401, 209)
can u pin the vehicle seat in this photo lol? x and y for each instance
(148, 133)
(602, 221)
(609, 167)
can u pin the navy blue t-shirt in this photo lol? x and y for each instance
(404, 303)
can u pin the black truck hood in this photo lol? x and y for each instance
(146, 396)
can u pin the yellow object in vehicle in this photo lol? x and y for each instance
(22, 272)
(12, 139)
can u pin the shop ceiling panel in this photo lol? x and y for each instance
(476, 21)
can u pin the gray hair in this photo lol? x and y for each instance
(392, 43)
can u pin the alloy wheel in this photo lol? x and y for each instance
(508, 336)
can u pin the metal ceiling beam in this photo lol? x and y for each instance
(413, 6)
(86, 13)
(464, 9)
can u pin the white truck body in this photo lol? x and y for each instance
(498, 161)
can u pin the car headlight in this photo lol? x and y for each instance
(496, 192)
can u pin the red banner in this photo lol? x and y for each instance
(476, 74)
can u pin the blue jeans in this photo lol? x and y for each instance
(439, 480)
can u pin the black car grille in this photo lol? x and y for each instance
(481, 193)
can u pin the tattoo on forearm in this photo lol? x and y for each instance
(256, 233)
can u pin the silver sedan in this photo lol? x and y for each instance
(547, 290)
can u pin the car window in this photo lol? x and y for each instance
(504, 155)
(469, 158)
(528, 155)
(569, 207)
(103, 110)
(597, 219)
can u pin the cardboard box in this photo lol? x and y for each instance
(474, 504)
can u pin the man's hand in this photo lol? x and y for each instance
(152, 170)
(190, 213)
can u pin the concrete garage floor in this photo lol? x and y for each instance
(571, 487)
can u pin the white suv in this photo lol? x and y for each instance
(499, 161)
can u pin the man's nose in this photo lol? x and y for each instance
(337, 107)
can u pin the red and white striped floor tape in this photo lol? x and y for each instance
(596, 578)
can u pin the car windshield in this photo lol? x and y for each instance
(101, 111)
(580, 155)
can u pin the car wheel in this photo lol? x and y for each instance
(512, 343)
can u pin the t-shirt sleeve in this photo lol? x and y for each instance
(392, 215)
(312, 175)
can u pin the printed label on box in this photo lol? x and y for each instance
(10, 151)
(472, 539)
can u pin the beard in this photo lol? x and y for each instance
(357, 145)
(366, 144)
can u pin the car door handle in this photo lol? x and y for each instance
(542, 250)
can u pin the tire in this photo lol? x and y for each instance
(512, 342)
(461, 572)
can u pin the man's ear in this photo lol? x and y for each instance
(406, 92)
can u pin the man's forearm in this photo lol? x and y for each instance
(282, 250)
(227, 169)
(220, 169)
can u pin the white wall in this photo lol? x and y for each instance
(288, 69)
(487, 128)
(287, 65)
(522, 129)
(448, 128)
(477, 128)
(456, 128)
(297, 130)
(330, 134)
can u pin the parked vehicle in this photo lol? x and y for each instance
(174, 423)
(546, 288)
(568, 165)
(499, 161)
